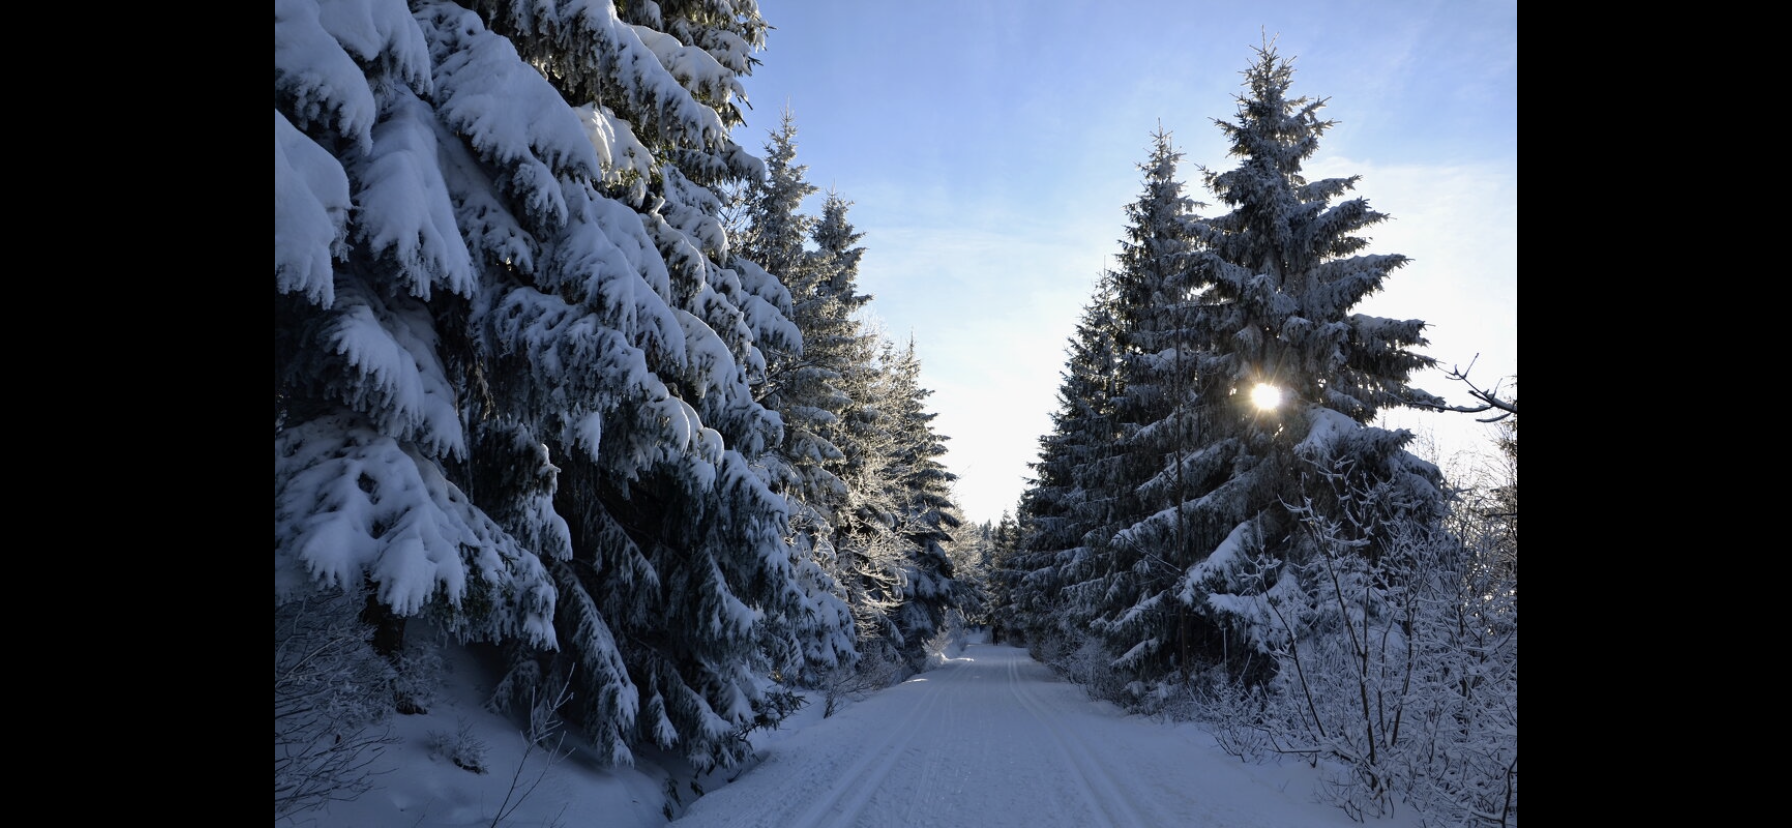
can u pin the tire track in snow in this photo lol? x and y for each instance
(1106, 799)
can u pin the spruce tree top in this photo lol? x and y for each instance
(1288, 262)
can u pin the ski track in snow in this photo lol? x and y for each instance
(854, 789)
(992, 739)
(1100, 789)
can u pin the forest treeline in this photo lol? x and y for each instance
(564, 373)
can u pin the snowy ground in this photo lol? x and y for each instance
(993, 738)
(990, 738)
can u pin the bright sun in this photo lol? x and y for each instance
(1266, 397)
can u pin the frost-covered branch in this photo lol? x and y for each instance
(331, 694)
(1487, 399)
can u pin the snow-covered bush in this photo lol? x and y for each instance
(879, 666)
(463, 748)
(331, 694)
(1466, 751)
(1234, 715)
(951, 641)
(1087, 662)
(1397, 673)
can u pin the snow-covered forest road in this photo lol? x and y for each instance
(994, 738)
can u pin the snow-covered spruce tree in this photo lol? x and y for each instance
(802, 387)
(1279, 276)
(871, 555)
(926, 516)
(875, 548)
(892, 535)
(374, 283)
(835, 262)
(776, 231)
(688, 560)
(839, 345)
(1303, 518)
(1057, 514)
(838, 435)
(502, 339)
(1144, 544)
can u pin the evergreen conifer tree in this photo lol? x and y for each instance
(514, 387)
(839, 352)
(802, 388)
(891, 533)
(776, 228)
(1061, 506)
(1277, 278)
(839, 436)
(989, 560)
(926, 516)
(1198, 516)
(871, 552)
(1140, 552)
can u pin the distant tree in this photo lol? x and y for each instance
(926, 518)
(978, 563)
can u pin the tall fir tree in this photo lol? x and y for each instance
(892, 532)
(1141, 551)
(801, 387)
(1085, 578)
(1198, 510)
(1059, 511)
(872, 553)
(926, 516)
(846, 353)
(775, 229)
(1277, 278)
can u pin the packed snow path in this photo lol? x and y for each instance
(994, 738)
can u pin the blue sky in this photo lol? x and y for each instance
(990, 147)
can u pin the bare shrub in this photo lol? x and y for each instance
(542, 739)
(879, 667)
(462, 747)
(332, 693)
